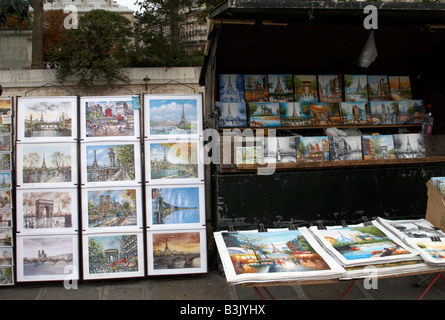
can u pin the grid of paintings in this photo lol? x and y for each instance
(111, 190)
(47, 188)
(6, 197)
(248, 100)
(174, 186)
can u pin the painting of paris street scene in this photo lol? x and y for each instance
(5, 199)
(46, 118)
(305, 88)
(313, 149)
(345, 148)
(385, 112)
(109, 117)
(47, 257)
(5, 142)
(294, 114)
(6, 218)
(329, 88)
(172, 252)
(176, 206)
(5, 161)
(355, 112)
(400, 88)
(378, 147)
(170, 161)
(5, 115)
(39, 210)
(179, 116)
(111, 162)
(5, 237)
(6, 276)
(378, 88)
(113, 256)
(46, 164)
(112, 207)
(411, 111)
(264, 114)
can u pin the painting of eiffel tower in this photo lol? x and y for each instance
(280, 88)
(231, 87)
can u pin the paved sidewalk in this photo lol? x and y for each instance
(213, 286)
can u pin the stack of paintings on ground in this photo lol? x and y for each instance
(175, 206)
(368, 249)
(111, 187)
(273, 256)
(47, 189)
(7, 276)
(439, 183)
(288, 100)
(422, 236)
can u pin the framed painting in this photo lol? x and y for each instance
(329, 88)
(46, 211)
(280, 149)
(110, 118)
(231, 114)
(47, 258)
(305, 88)
(5, 115)
(385, 112)
(112, 209)
(280, 88)
(173, 116)
(46, 165)
(400, 88)
(378, 88)
(378, 147)
(231, 87)
(175, 206)
(313, 149)
(411, 111)
(356, 87)
(256, 88)
(176, 252)
(295, 114)
(174, 162)
(325, 113)
(5, 218)
(409, 145)
(5, 161)
(47, 119)
(345, 148)
(355, 112)
(113, 255)
(110, 163)
(264, 114)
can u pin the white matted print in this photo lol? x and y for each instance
(46, 165)
(112, 209)
(47, 119)
(44, 211)
(175, 206)
(169, 161)
(176, 252)
(46, 258)
(173, 116)
(113, 255)
(110, 163)
(109, 118)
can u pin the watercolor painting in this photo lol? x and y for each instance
(434, 249)
(110, 117)
(110, 209)
(264, 114)
(46, 164)
(400, 88)
(176, 252)
(49, 257)
(47, 119)
(305, 88)
(231, 87)
(231, 114)
(175, 206)
(256, 88)
(355, 112)
(377, 147)
(280, 88)
(378, 88)
(329, 88)
(313, 149)
(295, 114)
(173, 115)
(325, 113)
(356, 87)
(114, 255)
(409, 145)
(385, 112)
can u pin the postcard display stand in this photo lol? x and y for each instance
(6, 203)
(176, 232)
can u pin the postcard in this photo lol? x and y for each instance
(5, 161)
(47, 119)
(295, 114)
(231, 87)
(400, 87)
(177, 116)
(109, 118)
(5, 218)
(249, 155)
(305, 88)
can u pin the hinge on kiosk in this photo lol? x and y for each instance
(320, 225)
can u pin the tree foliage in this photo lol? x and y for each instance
(97, 49)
